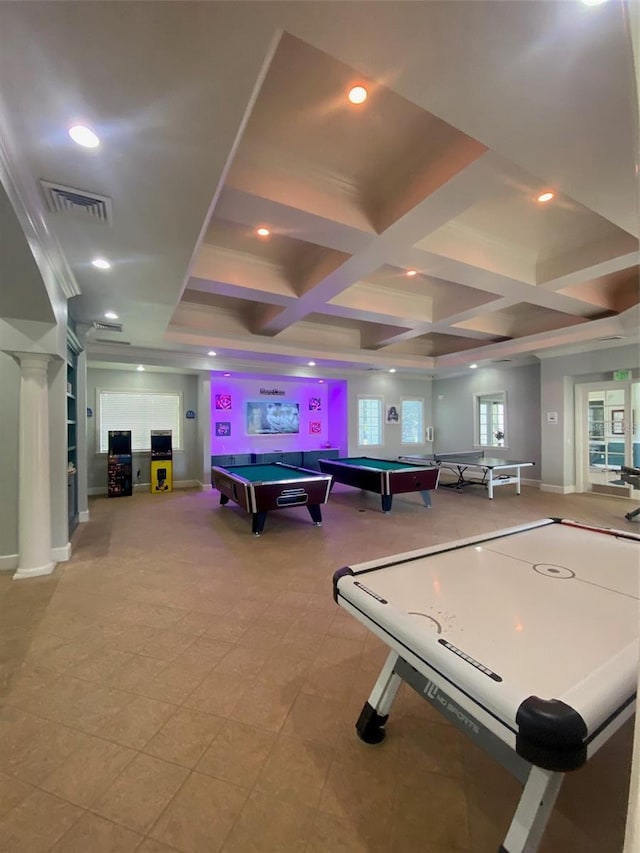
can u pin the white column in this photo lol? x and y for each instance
(34, 501)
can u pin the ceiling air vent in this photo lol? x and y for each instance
(500, 360)
(74, 202)
(107, 327)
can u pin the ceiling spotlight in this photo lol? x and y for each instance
(392, 370)
(320, 381)
(101, 264)
(412, 272)
(212, 352)
(140, 368)
(84, 136)
(358, 95)
(311, 363)
(263, 232)
(473, 366)
(226, 374)
(111, 315)
(543, 197)
(592, 2)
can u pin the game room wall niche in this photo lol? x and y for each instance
(261, 416)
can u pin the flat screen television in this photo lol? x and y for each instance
(268, 417)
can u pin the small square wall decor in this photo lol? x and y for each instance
(315, 427)
(223, 401)
(315, 404)
(223, 428)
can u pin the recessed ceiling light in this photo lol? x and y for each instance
(358, 94)
(226, 374)
(111, 315)
(320, 381)
(412, 272)
(592, 2)
(212, 352)
(101, 264)
(473, 366)
(84, 136)
(311, 363)
(140, 368)
(543, 197)
(263, 232)
(392, 370)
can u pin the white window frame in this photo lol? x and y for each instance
(494, 396)
(176, 428)
(380, 402)
(421, 431)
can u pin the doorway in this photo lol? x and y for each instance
(607, 436)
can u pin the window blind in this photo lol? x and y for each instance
(140, 412)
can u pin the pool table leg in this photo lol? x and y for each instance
(386, 501)
(224, 499)
(375, 713)
(257, 522)
(426, 498)
(315, 513)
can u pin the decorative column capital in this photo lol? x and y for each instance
(34, 363)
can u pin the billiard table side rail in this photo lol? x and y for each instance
(383, 481)
(314, 487)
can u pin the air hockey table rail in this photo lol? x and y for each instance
(542, 684)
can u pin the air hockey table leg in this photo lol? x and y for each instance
(374, 714)
(533, 812)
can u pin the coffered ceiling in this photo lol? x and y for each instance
(218, 118)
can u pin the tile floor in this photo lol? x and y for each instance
(181, 685)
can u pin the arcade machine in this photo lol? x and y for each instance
(161, 461)
(119, 464)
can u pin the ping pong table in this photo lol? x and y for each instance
(487, 471)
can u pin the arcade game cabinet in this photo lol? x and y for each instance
(161, 461)
(119, 464)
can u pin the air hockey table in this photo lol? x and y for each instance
(525, 638)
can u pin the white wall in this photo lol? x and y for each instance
(9, 418)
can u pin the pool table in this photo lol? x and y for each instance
(385, 477)
(526, 639)
(260, 488)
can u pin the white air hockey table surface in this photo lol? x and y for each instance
(526, 638)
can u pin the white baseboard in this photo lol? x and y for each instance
(534, 483)
(557, 490)
(37, 572)
(83, 516)
(8, 562)
(61, 554)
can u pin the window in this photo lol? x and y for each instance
(490, 421)
(412, 422)
(140, 412)
(369, 420)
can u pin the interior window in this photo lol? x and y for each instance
(490, 419)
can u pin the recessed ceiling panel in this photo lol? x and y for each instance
(521, 320)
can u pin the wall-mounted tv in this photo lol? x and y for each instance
(267, 417)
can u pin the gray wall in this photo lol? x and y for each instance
(453, 401)
(559, 378)
(392, 389)
(187, 463)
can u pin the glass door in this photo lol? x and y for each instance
(609, 420)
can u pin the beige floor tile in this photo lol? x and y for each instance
(218, 693)
(318, 719)
(267, 824)
(137, 722)
(351, 834)
(89, 771)
(150, 845)
(185, 737)
(426, 747)
(265, 705)
(12, 792)
(93, 834)
(200, 817)
(440, 804)
(139, 795)
(295, 771)
(237, 753)
(243, 660)
(165, 644)
(36, 823)
(100, 667)
(33, 758)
